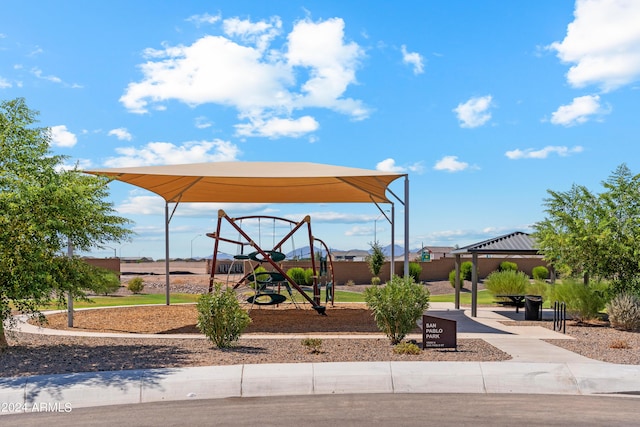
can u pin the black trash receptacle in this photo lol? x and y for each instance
(532, 307)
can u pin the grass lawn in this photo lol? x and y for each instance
(139, 299)
(484, 298)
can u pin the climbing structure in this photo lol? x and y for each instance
(267, 285)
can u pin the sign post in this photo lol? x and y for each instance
(438, 332)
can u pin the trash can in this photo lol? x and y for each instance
(532, 307)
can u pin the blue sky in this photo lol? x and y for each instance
(486, 104)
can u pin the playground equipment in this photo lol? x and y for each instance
(267, 285)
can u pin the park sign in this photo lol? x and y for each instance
(438, 332)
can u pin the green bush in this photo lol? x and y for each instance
(508, 266)
(397, 306)
(312, 344)
(136, 285)
(631, 286)
(406, 348)
(507, 282)
(220, 316)
(256, 275)
(106, 282)
(452, 279)
(415, 269)
(624, 311)
(466, 269)
(540, 272)
(298, 275)
(538, 287)
(375, 281)
(375, 259)
(308, 276)
(584, 302)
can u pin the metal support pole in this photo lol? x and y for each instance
(166, 252)
(474, 285)
(406, 226)
(392, 266)
(70, 295)
(457, 282)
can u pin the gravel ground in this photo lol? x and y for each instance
(32, 354)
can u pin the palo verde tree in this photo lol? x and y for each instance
(44, 207)
(595, 234)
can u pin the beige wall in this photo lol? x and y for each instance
(431, 271)
(112, 264)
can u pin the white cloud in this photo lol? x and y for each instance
(38, 73)
(260, 34)
(414, 59)
(275, 127)
(474, 112)
(389, 165)
(202, 122)
(4, 83)
(121, 133)
(450, 164)
(143, 203)
(161, 153)
(543, 153)
(603, 43)
(81, 164)
(579, 111)
(204, 19)
(61, 137)
(243, 71)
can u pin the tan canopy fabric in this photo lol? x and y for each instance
(258, 182)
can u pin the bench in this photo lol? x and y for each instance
(513, 300)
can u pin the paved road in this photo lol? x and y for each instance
(356, 410)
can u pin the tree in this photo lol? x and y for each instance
(594, 234)
(44, 207)
(375, 259)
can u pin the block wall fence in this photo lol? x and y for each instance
(358, 271)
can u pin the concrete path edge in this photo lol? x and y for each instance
(22, 394)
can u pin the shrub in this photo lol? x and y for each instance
(406, 348)
(220, 316)
(414, 271)
(508, 282)
(583, 302)
(397, 306)
(136, 285)
(375, 281)
(107, 282)
(540, 272)
(375, 259)
(631, 286)
(538, 287)
(312, 344)
(508, 266)
(619, 344)
(452, 279)
(298, 275)
(308, 276)
(624, 311)
(350, 283)
(465, 270)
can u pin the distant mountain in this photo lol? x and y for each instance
(304, 252)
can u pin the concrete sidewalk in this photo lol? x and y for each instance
(537, 367)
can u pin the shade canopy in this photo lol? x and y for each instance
(262, 182)
(258, 182)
